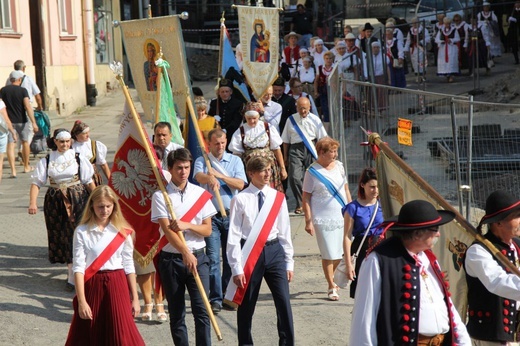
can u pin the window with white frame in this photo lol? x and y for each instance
(5, 15)
(65, 9)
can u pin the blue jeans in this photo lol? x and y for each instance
(216, 241)
(305, 41)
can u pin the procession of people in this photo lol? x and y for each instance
(222, 221)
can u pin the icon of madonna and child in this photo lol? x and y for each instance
(259, 48)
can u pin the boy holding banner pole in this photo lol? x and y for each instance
(260, 247)
(117, 69)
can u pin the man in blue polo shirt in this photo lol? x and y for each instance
(228, 176)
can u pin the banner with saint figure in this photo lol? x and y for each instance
(144, 39)
(258, 28)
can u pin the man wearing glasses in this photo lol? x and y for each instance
(404, 298)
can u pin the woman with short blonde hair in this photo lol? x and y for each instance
(325, 192)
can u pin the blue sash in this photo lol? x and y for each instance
(306, 142)
(332, 189)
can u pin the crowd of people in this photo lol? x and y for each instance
(257, 151)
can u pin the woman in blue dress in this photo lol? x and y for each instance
(357, 215)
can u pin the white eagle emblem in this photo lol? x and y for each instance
(135, 177)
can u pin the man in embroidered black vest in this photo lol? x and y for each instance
(493, 291)
(402, 297)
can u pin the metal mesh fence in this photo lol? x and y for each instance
(463, 149)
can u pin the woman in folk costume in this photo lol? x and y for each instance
(489, 19)
(94, 151)
(381, 63)
(395, 51)
(291, 53)
(396, 32)
(320, 86)
(448, 53)
(106, 299)
(304, 52)
(478, 46)
(257, 138)
(70, 178)
(318, 54)
(352, 66)
(416, 42)
(462, 28)
(307, 75)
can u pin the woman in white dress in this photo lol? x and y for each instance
(490, 21)
(325, 193)
(416, 45)
(448, 54)
(257, 138)
(94, 151)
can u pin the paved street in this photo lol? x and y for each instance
(35, 309)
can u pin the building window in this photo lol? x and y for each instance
(6, 15)
(103, 31)
(65, 8)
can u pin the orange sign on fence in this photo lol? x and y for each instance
(404, 131)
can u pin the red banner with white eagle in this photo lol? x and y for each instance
(134, 182)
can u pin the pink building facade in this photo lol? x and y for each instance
(66, 46)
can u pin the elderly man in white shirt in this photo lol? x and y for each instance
(270, 110)
(300, 132)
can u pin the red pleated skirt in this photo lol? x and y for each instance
(113, 324)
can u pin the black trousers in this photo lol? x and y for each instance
(175, 279)
(271, 266)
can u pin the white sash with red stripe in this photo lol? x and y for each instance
(188, 216)
(255, 242)
(104, 249)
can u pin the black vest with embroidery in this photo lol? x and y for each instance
(491, 317)
(398, 316)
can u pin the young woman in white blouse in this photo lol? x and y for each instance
(94, 151)
(106, 299)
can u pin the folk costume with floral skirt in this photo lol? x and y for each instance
(65, 199)
(259, 141)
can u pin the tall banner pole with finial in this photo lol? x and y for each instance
(158, 89)
(193, 119)
(117, 68)
(222, 20)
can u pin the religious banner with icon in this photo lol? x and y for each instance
(144, 39)
(258, 28)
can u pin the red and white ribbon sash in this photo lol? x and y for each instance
(103, 250)
(255, 243)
